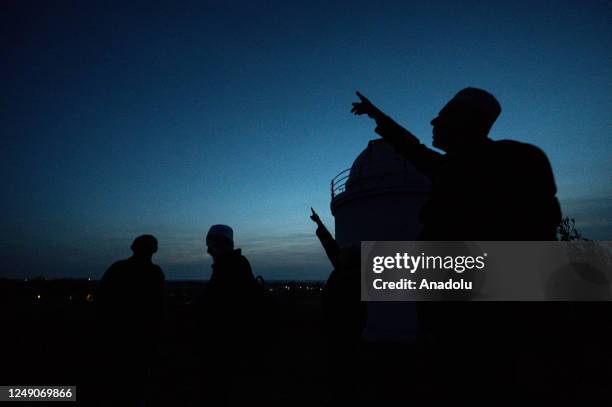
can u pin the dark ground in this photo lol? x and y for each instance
(52, 340)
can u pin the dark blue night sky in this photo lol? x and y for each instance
(143, 118)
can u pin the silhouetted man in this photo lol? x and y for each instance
(232, 279)
(231, 306)
(344, 316)
(344, 313)
(130, 300)
(481, 189)
(331, 247)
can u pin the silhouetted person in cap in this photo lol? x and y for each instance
(481, 189)
(232, 280)
(231, 309)
(130, 300)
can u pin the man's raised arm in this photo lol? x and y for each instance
(404, 142)
(331, 247)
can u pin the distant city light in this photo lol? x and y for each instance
(38, 296)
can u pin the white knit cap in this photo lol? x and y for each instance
(223, 231)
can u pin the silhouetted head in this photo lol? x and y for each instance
(220, 240)
(144, 246)
(465, 120)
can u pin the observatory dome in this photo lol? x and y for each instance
(377, 170)
(379, 198)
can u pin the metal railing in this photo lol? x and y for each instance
(366, 176)
(338, 183)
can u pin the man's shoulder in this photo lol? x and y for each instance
(121, 263)
(516, 146)
(127, 267)
(115, 273)
(158, 272)
(242, 260)
(241, 264)
(117, 267)
(518, 150)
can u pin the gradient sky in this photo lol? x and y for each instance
(119, 120)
